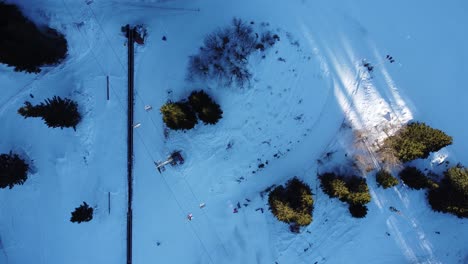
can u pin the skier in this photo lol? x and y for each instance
(393, 209)
(189, 217)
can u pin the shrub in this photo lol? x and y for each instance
(178, 116)
(13, 170)
(293, 203)
(417, 140)
(208, 111)
(385, 179)
(358, 210)
(353, 190)
(452, 195)
(83, 213)
(224, 55)
(55, 112)
(416, 179)
(26, 47)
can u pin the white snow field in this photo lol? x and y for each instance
(289, 117)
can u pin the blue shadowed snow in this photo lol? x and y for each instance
(291, 115)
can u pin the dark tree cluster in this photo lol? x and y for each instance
(13, 170)
(224, 55)
(452, 194)
(292, 203)
(24, 45)
(55, 112)
(350, 189)
(358, 210)
(385, 179)
(182, 115)
(416, 179)
(207, 110)
(417, 140)
(83, 213)
(178, 115)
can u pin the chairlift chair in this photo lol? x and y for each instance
(174, 159)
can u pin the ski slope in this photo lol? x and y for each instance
(291, 115)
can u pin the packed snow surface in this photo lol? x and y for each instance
(308, 88)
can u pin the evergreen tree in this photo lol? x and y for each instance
(358, 210)
(83, 213)
(357, 184)
(293, 203)
(28, 110)
(326, 180)
(359, 191)
(55, 112)
(24, 45)
(417, 140)
(339, 189)
(361, 198)
(385, 179)
(352, 190)
(457, 177)
(416, 179)
(452, 195)
(208, 111)
(13, 170)
(178, 116)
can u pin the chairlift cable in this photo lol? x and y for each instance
(140, 136)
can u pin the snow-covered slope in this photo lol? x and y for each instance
(290, 116)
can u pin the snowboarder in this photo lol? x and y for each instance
(235, 211)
